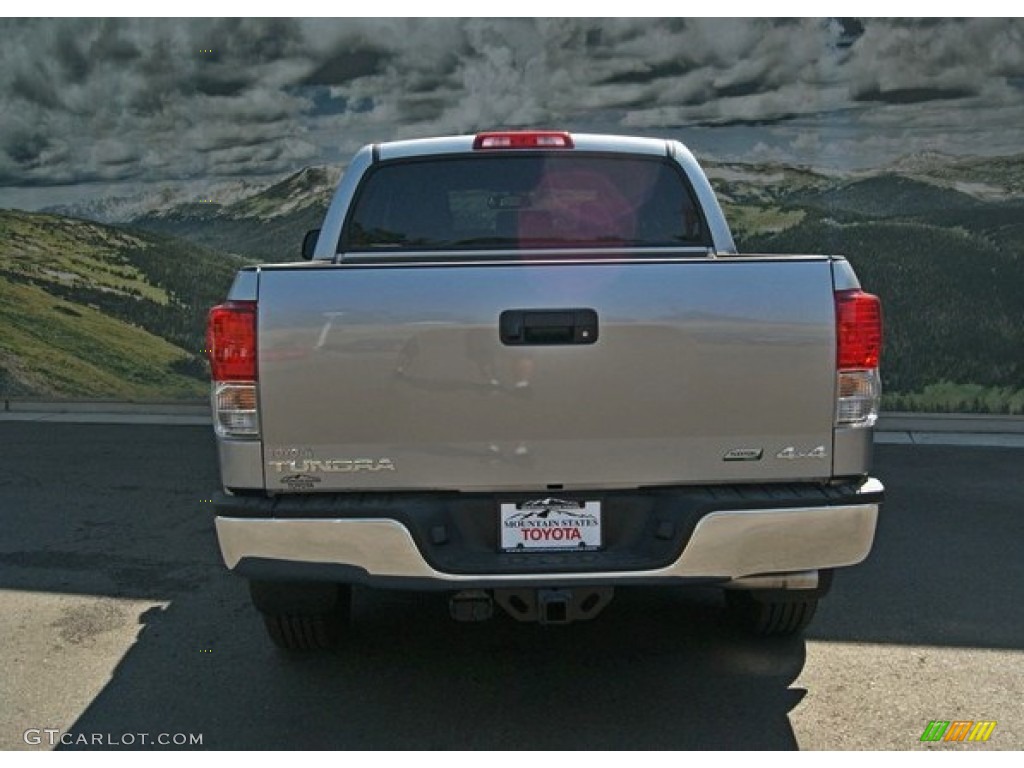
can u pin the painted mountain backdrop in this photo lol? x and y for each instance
(939, 239)
(142, 160)
(116, 309)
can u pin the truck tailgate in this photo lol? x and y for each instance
(396, 376)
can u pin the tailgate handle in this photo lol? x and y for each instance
(521, 327)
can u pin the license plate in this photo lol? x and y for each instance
(550, 524)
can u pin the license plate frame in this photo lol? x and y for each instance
(550, 525)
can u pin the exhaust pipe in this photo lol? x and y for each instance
(471, 605)
(796, 580)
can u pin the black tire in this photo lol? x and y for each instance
(764, 616)
(302, 616)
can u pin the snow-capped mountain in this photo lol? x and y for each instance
(265, 225)
(152, 199)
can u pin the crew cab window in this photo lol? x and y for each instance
(523, 201)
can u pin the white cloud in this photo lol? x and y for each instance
(113, 99)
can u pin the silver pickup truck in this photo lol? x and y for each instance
(527, 367)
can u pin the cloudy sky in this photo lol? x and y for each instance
(101, 105)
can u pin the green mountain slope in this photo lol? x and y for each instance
(940, 240)
(952, 298)
(270, 240)
(988, 178)
(762, 183)
(885, 196)
(88, 310)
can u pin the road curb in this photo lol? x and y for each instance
(922, 429)
(893, 421)
(966, 439)
(970, 423)
(107, 407)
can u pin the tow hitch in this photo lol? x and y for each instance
(554, 606)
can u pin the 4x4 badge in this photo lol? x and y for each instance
(792, 453)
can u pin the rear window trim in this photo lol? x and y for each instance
(667, 160)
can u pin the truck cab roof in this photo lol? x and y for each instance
(586, 142)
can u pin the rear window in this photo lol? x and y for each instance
(523, 201)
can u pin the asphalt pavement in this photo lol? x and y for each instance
(120, 620)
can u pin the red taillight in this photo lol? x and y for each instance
(231, 341)
(523, 140)
(858, 330)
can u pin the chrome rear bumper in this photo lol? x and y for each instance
(725, 545)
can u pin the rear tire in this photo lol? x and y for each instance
(767, 617)
(303, 616)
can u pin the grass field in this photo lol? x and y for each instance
(51, 347)
(87, 310)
